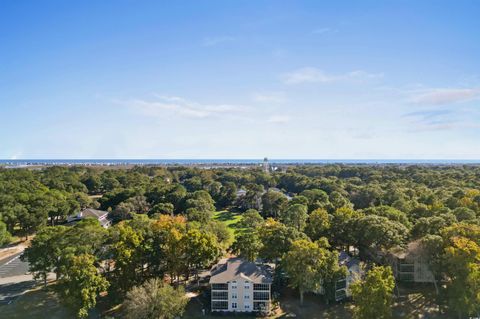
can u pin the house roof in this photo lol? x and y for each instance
(90, 212)
(232, 268)
(344, 259)
(414, 248)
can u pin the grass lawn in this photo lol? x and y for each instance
(44, 303)
(35, 304)
(230, 219)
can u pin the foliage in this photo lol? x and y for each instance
(318, 224)
(295, 216)
(247, 245)
(155, 300)
(251, 219)
(44, 252)
(81, 284)
(276, 239)
(308, 265)
(5, 236)
(373, 295)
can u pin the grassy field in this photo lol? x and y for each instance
(36, 304)
(230, 219)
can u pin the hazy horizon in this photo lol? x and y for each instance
(202, 80)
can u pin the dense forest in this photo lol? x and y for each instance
(163, 225)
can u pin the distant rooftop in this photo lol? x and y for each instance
(230, 269)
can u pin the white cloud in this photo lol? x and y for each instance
(181, 107)
(324, 31)
(278, 119)
(438, 96)
(212, 41)
(269, 97)
(314, 75)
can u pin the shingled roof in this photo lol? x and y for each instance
(90, 212)
(232, 268)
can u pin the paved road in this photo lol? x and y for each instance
(13, 279)
(13, 266)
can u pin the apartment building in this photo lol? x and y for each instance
(238, 285)
(410, 264)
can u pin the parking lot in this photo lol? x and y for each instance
(13, 281)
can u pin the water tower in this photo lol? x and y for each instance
(266, 167)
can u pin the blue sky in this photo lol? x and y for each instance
(240, 79)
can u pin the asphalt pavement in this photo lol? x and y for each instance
(13, 266)
(14, 280)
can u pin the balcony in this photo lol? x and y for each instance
(219, 295)
(219, 286)
(261, 295)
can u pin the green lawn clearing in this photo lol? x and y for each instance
(230, 219)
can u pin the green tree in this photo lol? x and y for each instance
(379, 231)
(342, 228)
(247, 245)
(125, 250)
(167, 239)
(317, 198)
(295, 216)
(309, 265)
(461, 265)
(197, 215)
(318, 224)
(251, 219)
(4, 234)
(162, 208)
(373, 295)
(200, 249)
(200, 200)
(253, 197)
(464, 214)
(276, 239)
(155, 300)
(44, 252)
(273, 203)
(81, 284)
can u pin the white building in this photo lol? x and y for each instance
(354, 272)
(411, 264)
(342, 285)
(241, 286)
(100, 215)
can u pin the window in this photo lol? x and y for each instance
(234, 285)
(261, 287)
(341, 284)
(219, 286)
(247, 285)
(406, 268)
(246, 297)
(247, 306)
(340, 294)
(219, 305)
(261, 295)
(234, 305)
(234, 295)
(406, 277)
(219, 295)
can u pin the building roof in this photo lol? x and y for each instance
(414, 248)
(100, 215)
(344, 259)
(232, 268)
(90, 212)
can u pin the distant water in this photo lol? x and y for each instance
(231, 162)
